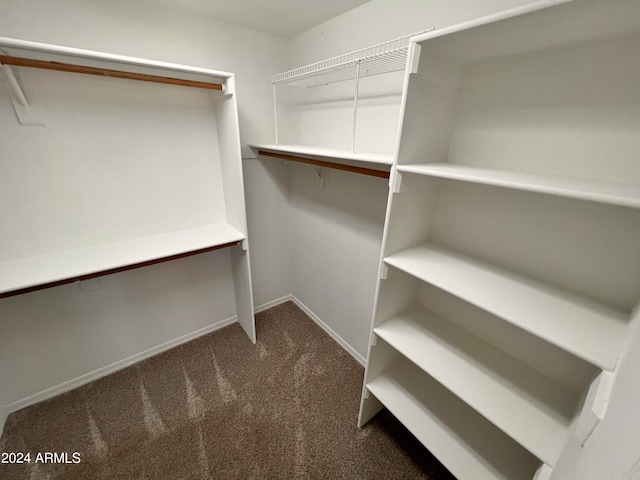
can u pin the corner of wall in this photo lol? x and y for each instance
(4, 413)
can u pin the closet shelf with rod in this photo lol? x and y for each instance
(130, 190)
(22, 53)
(341, 112)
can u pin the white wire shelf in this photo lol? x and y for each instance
(382, 58)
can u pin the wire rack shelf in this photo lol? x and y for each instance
(382, 58)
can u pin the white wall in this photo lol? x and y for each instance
(54, 339)
(337, 233)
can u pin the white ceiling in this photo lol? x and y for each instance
(284, 18)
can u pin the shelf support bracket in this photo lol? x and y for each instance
(27, 115)
(384, 271)
(595, 406)
(396, 182)
(355, 108)
(319, 174)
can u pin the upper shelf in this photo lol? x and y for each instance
(615, 193)
(53, 57)
(382, 58)
(33, 273)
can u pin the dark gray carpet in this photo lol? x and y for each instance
(220, 407)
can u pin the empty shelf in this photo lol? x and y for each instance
(589, 330)
(63, 267)
(615, 193)
(528, 406)
(328, 153)
(465, 442)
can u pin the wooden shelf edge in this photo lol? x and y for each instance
(111, 271)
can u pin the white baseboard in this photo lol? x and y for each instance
(4, 413)
(121, 364)
(341, 341)
(273, 303)
(104, 371)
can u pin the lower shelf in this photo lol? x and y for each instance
(527, 405)
(33, 273)
(470, 446)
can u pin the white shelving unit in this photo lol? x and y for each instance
(342, 111)
(511, 262)
(125, 198)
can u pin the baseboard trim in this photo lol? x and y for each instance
(273, 303)
(109, 369)
(124, 363)
(341, 341)
(4, 413)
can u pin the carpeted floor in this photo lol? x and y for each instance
(219, 407)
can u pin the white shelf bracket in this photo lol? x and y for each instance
(365, 394)
(319, 174)
(595, 406)
(374, 339)
(355, 108)
(414, 57)
(384, 271)
(27, 115)
(244, 245)
(543, 473)
(396, 182)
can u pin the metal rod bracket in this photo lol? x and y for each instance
(319, 174)
(26, 113)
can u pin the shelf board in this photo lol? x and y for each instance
(377, 59)
(33, 273)
(56, 57)
(466, 443)
(614, 193)
(329, 153)
(528, 406)
(543, 310)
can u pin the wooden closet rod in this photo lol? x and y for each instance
(103, 72)
(322, 163)
(115, 270)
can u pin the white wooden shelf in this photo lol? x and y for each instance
(54, 268)
(57, 57)
(548, 312)
(615, 193)
(375, 165)
(528, 406)
(465, 442)
(328, 153)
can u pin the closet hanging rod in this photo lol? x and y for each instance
(68, 67)
(321, 163)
